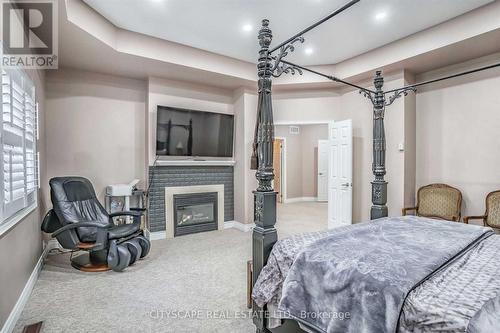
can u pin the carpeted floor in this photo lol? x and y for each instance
(194, 283)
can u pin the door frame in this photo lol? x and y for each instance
(283, 169)
(327, 141)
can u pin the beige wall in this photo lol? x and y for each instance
(250, 180)
(306, 107)
(95, 127)
(21, 246)
(240, 155)
(410, 163)
(293, 162)
(458, 137)
(302, 159)
(358, 109)
(245, 112)
(310, 136)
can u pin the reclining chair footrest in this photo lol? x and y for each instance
(134, 235)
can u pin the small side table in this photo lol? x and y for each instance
(139, 196)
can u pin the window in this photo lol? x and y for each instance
(19, 179)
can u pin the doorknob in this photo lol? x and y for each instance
(346, 185)
(321, 173)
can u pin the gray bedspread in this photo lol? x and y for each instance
(487, 319)
(460, 297)
(382, 261)
(267, 289)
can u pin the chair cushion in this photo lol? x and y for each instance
(123, 230)
(439, 201)
(493, 209)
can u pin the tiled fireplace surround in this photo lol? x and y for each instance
(175, 176)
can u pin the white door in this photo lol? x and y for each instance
(340, 174)
(323, 158)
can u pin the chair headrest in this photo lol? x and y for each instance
(70, 189)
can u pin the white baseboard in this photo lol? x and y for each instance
(11, 321)
(300, 199)
(245, 227)
(156, 235)
(229, 224)
(52, 244)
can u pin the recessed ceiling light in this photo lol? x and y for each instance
(247, 27)
(309, 51)
(380, 16)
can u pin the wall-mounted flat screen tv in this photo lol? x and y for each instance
(183, 132)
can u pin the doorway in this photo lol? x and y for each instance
(279, 167)
(313, 175)
(296, 162)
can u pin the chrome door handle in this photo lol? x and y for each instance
(346, 185)
(321, 174)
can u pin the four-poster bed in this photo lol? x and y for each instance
(264, 233)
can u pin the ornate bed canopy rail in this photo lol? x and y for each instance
(264, 233)
(314, 25)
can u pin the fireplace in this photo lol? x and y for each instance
(195, 212)
(193, 208)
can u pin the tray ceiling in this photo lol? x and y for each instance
(230, 27)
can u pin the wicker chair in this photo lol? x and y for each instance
(491, 217)
(438, 201)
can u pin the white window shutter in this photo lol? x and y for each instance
(18, 134)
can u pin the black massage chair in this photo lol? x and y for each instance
(79, 222)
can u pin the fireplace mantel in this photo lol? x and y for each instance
(177, 176)
(169, 203)
(195, 162)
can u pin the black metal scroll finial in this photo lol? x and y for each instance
(379, 98)
(378, 81)
(265, 34)
(265, 38)
(271, 65)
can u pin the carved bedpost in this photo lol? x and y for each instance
(264, 233)
(379, 102)
(379, 185)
